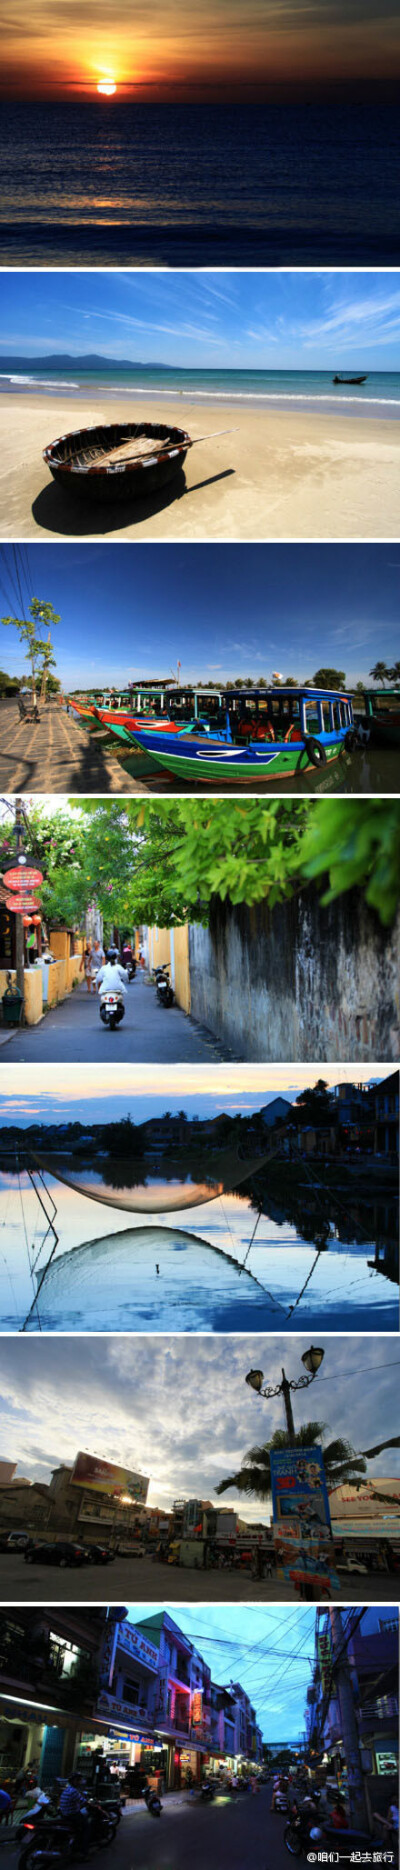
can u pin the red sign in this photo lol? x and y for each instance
(23, 878)
(21, 904)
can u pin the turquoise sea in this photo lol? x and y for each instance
(263, 389)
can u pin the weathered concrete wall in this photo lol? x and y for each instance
(300, 982)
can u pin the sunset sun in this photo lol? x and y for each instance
(107, 87)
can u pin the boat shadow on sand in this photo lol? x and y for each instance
(54, 511)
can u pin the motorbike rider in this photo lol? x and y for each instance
(72, 1806)
(112, 978)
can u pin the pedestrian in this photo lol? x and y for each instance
(96, 961)
(31, 947)
(86, 966)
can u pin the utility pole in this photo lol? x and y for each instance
(19, 926)
(359, 1816)
(288, 1406)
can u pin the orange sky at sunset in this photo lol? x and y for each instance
(162, 46)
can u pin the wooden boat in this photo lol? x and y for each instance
(117, 460)
(255, 735)
(381, 716)
(350, 379)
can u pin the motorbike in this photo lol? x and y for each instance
(164, 991)
(152, 1801)
(112, 1007)
(207, 1792)
(305, 1834)
(53, 1841)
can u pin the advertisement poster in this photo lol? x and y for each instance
(301, 1520)
(104, 1477)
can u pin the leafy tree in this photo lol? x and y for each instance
(340, 1461)
(394, 673)
(329, 678)
(356, 845)
(290, 681)
(36, 645)
(380, 673)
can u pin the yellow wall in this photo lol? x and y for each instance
(182, 975)
(33, 1000)
(74, 971)
(60, 943)
(162, 942)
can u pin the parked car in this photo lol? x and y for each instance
(99, 1554)
(16, 1541)
(61, 1552)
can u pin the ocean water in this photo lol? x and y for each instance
(213, 1275)
(280, 183)
(298, 391)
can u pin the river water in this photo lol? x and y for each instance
(335, 1275)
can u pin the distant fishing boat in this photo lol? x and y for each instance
(254, 735)
(381, 716)
(350, 379)
(120, 460)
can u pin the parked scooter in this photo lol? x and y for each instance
(207, 1792)
(152, 1801)
(305, 1834)
(164, 991)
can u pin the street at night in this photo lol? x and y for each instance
(236, 1832)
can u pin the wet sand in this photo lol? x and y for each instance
(277, 475)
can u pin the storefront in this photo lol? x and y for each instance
(40, 1736)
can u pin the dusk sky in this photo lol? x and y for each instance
(225, 611)
(68, 1093)
(269, 1649)
(218, 320)
(161, 48)
(178, 1408)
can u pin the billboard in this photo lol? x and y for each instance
(103, 1477)
(301, 1519)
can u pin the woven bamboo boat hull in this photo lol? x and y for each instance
(89, 463)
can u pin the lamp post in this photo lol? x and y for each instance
(312, 1360)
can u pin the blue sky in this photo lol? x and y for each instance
(222, 610)
(270, 1651)
(219, 320)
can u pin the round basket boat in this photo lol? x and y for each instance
(117, 460)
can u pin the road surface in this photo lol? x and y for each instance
(73, 1033)
(149, 1581)
(229, 1834)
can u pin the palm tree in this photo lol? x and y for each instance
(380, 672)
(340, 1461)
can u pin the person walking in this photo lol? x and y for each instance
(86, 966)
(96, 961)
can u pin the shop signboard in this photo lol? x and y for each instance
(197, 1707)
(21, 905)
(386, 1761)
(301, 1518)
(325, 1656)
(119, 1483)
(23, 877)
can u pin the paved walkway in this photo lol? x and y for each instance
(60, 754)
(73, 1033)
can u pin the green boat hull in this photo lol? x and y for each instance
(212, 772)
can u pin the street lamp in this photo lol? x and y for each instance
(312, 1360)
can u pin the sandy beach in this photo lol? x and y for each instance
(276, 476)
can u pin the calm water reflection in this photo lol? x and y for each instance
(320, 1271)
